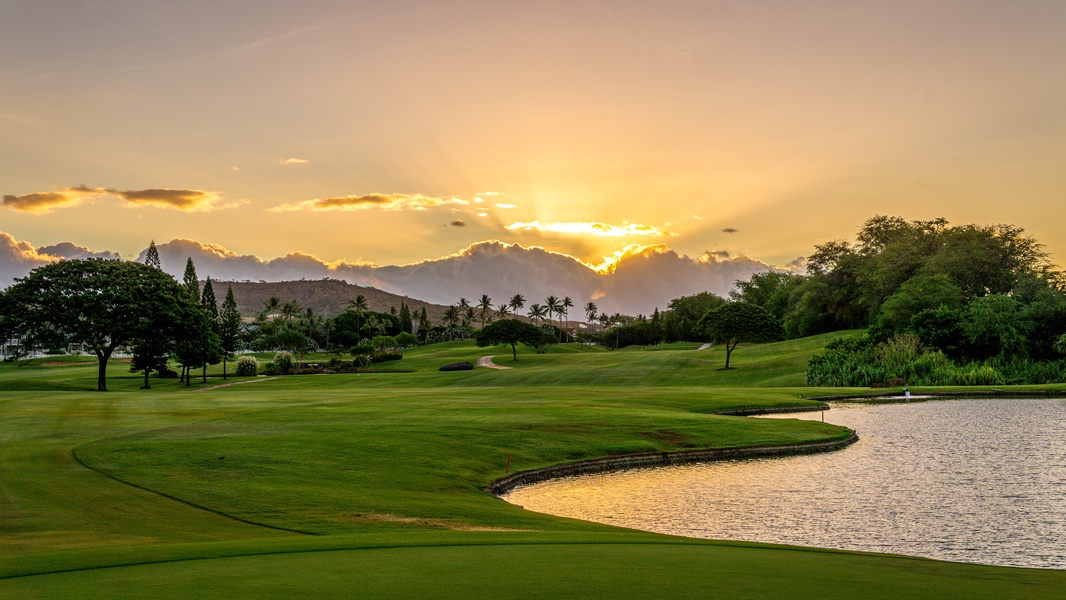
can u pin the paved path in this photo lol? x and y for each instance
(215, 387)
(486, 361)
(704, 347)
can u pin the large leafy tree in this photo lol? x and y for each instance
(104, 304)
(736, 322)
(510, 331)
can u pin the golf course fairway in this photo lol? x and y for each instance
(373, 485)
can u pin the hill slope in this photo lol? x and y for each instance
(327, 297)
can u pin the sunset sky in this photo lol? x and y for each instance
(395, 132)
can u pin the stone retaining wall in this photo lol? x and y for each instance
(659, 459)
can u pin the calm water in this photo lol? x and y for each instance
(980, 481)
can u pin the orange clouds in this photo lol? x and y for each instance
(366, 201)
(180, 199)
(592, 228)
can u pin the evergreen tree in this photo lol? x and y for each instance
(406, 323)
(423, 325)
(192, 283)
(229, 328)
(151, 258)
(207, 298)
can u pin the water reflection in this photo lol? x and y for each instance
(965, 480)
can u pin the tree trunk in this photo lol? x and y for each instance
(514, 352)
(146, 386)
(729, 350)
(101, 377)
(205, 372)
(223, 368)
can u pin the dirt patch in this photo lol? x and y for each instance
(435, 523)
(65, 363)
(667, 436)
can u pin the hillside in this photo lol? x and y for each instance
(326, 296)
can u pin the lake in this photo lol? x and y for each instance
(980, 481)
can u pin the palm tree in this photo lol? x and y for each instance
(567, 305)
(451, 318)
(554, 305)
(551, 303)
(290, 309)
(516, 303)
(502, 311)
(359, 306)
(271, 305)
(538, 312)
(590, 311)
(464, 304)
(486, 308)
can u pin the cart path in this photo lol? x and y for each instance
(215, 387)
(486, 361)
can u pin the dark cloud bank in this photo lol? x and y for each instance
(641, 280)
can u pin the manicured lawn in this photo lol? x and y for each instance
(373, 484)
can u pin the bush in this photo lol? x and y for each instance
(406, 340)
(463, 366)
(247, 366)
(385, 356)
(362, 350)
(283, 361)
(166, 373)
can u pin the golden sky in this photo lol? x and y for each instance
(393, 132)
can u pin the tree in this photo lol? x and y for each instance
(552, 305)
(207, 298)
(192, 283)
(359, 306)
(451, 318)
(407, 324)
(538, 312)
(151, 257)
(517, 302)
(918, 293)
(590, 311)
(510, 331)
(229, 328)
(736, 322)
(423, 325)
(101, 303)
(485, 306)
(567, 305)
(290, 310)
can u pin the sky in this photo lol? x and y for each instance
(382, 134)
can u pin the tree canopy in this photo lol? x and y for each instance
(736, 322)
(101, 303)
(510, 331)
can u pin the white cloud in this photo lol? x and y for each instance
(294, 161)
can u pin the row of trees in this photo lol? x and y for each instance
(112, 304)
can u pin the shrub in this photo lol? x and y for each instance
(406, 340)
(385, 356)
(362, 350)
(283, 361)
(463, 366)
(247, 366)
(166, 373)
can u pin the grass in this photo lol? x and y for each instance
(375, 482)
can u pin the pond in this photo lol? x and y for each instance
(980, 481)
